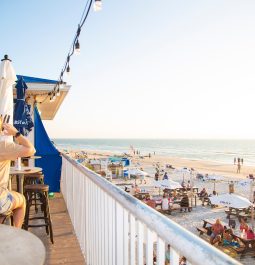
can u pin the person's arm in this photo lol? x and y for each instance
(27, 148)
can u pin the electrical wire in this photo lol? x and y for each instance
(84, 16)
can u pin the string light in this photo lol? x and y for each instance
(75, 48)
(97, 5)
(61, 85)
(58, 92)
(68, 70)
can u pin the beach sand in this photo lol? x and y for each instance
(201, 166)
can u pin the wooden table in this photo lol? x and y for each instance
(20, 247)
(249, 244)
(207, 225)
(21, 173)
(234, 211)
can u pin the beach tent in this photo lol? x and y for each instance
(51, 160)
(125, 161)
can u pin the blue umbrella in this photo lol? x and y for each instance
(22, 119)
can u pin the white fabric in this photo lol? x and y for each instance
(167, 184)
(165, 204)
(7, 80)
(231, 200)
(137, 172)
(214, 177)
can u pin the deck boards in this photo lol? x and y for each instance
(66, 249)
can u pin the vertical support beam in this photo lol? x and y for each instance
(140, 232)
(149, 247)
(160, 252)
(119, 234)
(125, 237)
(132, 240)
(174, 257)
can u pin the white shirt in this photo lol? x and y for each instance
(165, 205)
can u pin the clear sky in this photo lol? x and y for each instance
(147, 68)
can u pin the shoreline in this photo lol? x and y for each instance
(201, 166)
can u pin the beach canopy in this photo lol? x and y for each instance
(136, 172)
(7, 80)
(231, 200)
(182, 171)
(214, 177)
(167, 184)
(22, 119)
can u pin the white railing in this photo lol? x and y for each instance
(114, 228)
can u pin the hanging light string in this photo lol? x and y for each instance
(74, 49)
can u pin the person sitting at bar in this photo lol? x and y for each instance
(243, 225)
(202, 195)
(250, 234)
(11, 200)
(185, 203)
(228, 238)
(217, 230)
(165, 203)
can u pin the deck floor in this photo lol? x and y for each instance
(66, 249)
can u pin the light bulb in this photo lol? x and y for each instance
(77, 49)
(68, 70)
(97, 5)
(61, 84)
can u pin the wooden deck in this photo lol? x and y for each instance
(66, 249)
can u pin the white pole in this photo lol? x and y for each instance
(252, 207)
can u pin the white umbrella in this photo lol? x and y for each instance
(7, 80)
(137, 172)
(214, 177)
(167, 184)
(231, 200)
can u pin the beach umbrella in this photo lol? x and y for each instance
(214, 177)
(231, 200)
(7, 80)
(22, 119)
(167, 184)
(137, 172)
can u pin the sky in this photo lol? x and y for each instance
(147, 69)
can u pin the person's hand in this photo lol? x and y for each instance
(9, 130)
(1, 123)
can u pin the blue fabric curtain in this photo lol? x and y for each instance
(51, 161)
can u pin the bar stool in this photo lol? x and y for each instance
(42, 191)
(7, 216)
(36, 178)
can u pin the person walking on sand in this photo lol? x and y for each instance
(238, 167)
(234, 161)
(242, 161)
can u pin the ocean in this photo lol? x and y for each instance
(221, 151)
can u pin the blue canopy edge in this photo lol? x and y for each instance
(51, 161)
(30, 79)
